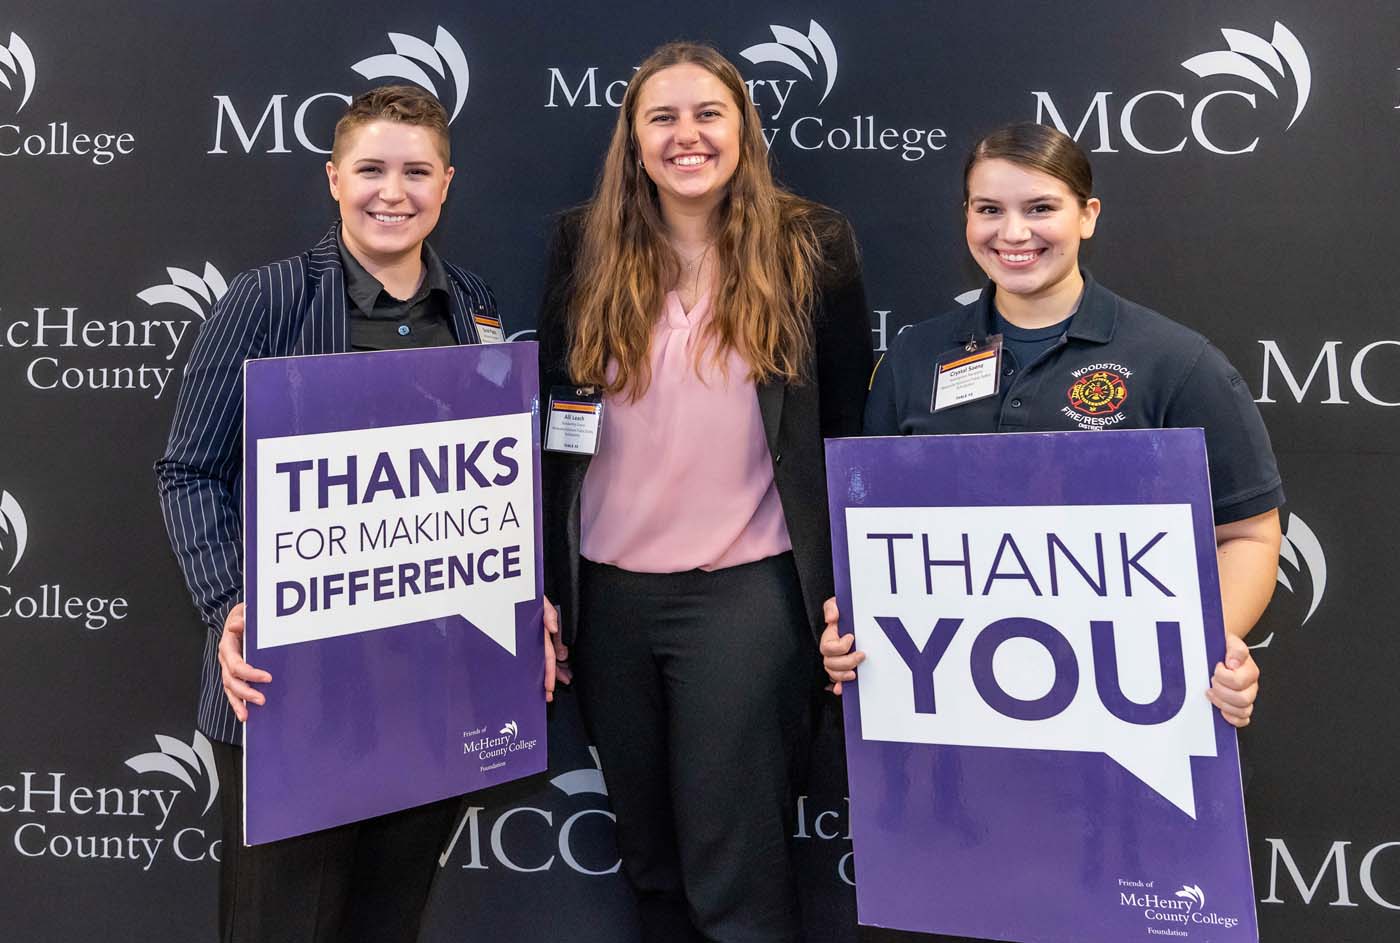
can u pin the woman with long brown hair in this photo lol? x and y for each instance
(717, 324)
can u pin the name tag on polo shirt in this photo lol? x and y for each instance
(575, 417)
(967, 374)
(489, 328)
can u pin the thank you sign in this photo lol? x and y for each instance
(1032, 710)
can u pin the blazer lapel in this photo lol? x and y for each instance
(770, 407)
(325, 328)
(463, 312)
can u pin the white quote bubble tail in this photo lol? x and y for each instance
(1165, 772)
(495, 618)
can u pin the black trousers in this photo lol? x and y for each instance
(366, 882)
(696, 689)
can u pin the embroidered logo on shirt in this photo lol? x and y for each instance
(1098, 392)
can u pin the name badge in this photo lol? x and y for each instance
(967, 374)
(489, 328)
(575, 417)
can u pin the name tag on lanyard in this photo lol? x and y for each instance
(575, 418)
(967, 374)
(489, 328)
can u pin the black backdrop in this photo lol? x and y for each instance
(212, 112)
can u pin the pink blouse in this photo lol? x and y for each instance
(683, 478)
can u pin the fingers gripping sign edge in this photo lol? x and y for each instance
(236, 674)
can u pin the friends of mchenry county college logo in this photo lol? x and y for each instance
(1170, 120)
(495, 751)
(1194, 894)
(1184, 907)
(136, 822)
(17, 69)
(816, 46)
(190, 291)
(14, 532)
(439, 66)
(1307, 563)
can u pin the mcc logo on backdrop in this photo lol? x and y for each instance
(436, 66)
(1171, 120)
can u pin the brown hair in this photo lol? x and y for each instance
(406, 103)
(767, 248)
(1038, 147)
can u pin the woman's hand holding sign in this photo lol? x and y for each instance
(1235, 684)
(837, 657)
(556, 653)
(236, 672)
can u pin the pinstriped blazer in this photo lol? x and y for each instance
(295, 306)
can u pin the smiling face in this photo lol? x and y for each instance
(687, 127)
(390, 183)
(1024, 228)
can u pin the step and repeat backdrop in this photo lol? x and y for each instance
(1246, 156)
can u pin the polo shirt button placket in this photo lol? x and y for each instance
(403, 330)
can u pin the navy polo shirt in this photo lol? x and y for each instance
(1118, 366)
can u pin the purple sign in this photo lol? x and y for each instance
(1031, 753)
(393, 581)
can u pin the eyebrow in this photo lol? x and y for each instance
(671, 108)
(1043, 198)
(380, 160)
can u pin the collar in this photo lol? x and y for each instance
(364, 289)
(1094, 322)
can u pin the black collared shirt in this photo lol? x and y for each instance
(1118, 366)
(379, 321)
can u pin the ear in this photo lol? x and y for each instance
(446, 182)
(333, 180)
(1088, 217)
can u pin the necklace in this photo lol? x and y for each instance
(697, 265)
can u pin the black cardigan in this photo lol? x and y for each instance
(796, 417)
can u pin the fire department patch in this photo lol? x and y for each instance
(1098, 393)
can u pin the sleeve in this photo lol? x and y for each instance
(881, 411)
(197, 477)
(551, 330)
(551, 324)
(1244, 478)
(843, 339)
